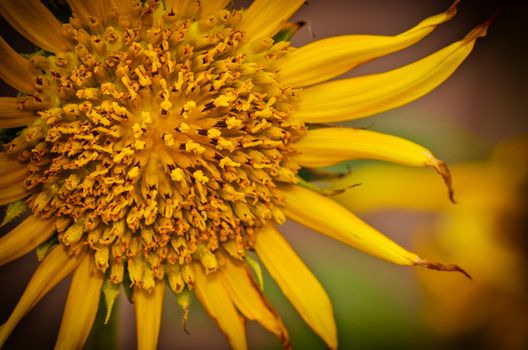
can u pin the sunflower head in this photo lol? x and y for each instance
(160, 138)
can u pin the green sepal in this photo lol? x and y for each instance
(110, 293)
(287, 31)
(332, 172)
(325, 191)
(103, 335)
(257, 269)
(184, 301)
(13, 211)
(43, 249)
(309, 174)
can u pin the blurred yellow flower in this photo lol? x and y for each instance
(161, 141)
(485, 233)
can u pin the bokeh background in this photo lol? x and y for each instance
(376, 305)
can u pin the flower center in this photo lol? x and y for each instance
(160, 140)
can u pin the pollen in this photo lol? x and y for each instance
(160, 142)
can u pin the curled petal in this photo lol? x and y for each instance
(328, 58)
(442, 267)
(329, 146)
(335, 221)
(248, 298)
(217, 302)
(363, 96)
(297, 283)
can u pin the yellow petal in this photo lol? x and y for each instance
(328, 217)
(248, 298)
(264, 18)
(367, 95)
(81, 306)
(13, 193)
(8, 161)
(34, 21)
(328, 58)
(148, 306)
(11, 113)
(215, 300)
(54, 268)
(15, 176)
(28, 235)
(184, 7)
(385, 186)
(93, 8)
(15, 70)
(210, 7)
(123, 6)
(297, 283)
(329, 146)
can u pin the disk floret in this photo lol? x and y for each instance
(161, 140)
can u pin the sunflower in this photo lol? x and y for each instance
(161, 141)
(486, 232)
